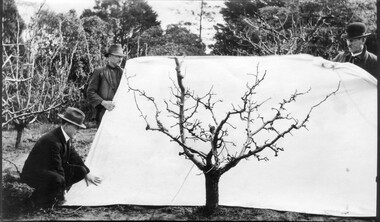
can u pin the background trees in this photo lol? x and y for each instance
(129, 19)
(46, 65)
(13, 25)
(176, 40)
(290, 27)
(49, 68)
(35, 74)
(69, 45)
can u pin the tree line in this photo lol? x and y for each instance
(46, 63)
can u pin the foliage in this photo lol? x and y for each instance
(129, 19)
(289, 27)
(13, 25)
(60, 51)
(175, 41)
(134, 25)
(252, 28)
(15, 194)
(82, 42)
(98, 38)
(35, 73)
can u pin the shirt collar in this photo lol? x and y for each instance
(113, 67)
(356, 54)
(361, 53)
(65, 134)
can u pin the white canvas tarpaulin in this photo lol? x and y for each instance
(328, 168)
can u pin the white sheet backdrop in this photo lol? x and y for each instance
(328, 169)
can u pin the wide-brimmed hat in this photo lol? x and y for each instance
(355, 30)
(116, 50)
(74, 116)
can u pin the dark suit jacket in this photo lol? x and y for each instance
(50, 153)
(103, 84)
(365, 60)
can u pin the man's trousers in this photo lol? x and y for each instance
(50, 186)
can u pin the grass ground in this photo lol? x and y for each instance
(17, 206)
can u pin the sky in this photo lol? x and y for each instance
(169, 11)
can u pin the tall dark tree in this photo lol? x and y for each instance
(227, 40)
(175, 41)
(13, 25)
(129, 19)
(99, 37)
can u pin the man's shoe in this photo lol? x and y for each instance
(60, 200)
(39, 201)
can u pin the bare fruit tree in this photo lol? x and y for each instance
(218, 160)
(35, 74)
(274, 42)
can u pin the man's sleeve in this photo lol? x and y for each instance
(56, 160)
(76, 159)
(93, 96)
(372, 69)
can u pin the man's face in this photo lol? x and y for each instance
(355, 45)
(115, 60)
(71, 130)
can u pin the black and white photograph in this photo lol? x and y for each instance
(190, 110)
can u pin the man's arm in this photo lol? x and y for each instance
(92, 179)
(74, 158)
(55, 163)
(109, 105)
(93, 96)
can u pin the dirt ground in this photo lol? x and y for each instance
(23, 210)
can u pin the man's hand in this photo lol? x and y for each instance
(92, 179)
(109, 105)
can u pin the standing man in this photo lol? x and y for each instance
(104, 82)
(357, 53)
(53, 165)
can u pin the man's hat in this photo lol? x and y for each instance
(74, 116)
(355, 30)
(116, 50)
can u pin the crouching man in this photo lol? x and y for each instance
(53, 165)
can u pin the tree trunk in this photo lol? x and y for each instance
(200, 21)
(212, 191)
(20, 129)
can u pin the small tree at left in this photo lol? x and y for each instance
(35, 73)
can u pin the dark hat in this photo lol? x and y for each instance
(116, 50)
(355, 30)
(74, 116)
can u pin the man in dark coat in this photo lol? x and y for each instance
(104, 83)
(53, 165)
(357, 52)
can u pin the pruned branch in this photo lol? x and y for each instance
(14, 116)
(272, 142)
(188, 151)
(269, 36)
